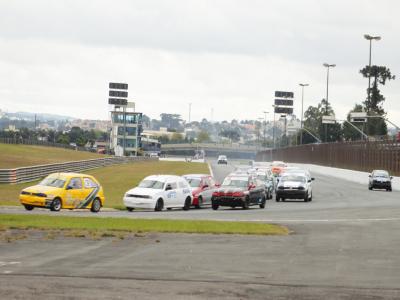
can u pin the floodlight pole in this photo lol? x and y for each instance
(302, 100)
(370, 39)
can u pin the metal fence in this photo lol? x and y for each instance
(26, 174)
(361, 156)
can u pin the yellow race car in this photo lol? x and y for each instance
(64, 190)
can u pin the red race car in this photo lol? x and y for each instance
(202, 186)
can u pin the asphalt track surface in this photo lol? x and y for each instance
(344, 245)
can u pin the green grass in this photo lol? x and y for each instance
(138, 225)
(116, 180)
(14, 156)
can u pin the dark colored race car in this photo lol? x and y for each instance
(239, 191)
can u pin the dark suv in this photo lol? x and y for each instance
(380, 179)
(222, 159)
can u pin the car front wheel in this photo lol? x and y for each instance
(188, 202)
(56, 205)
(199, 202)
(306, 197)
(246, 203)
(159, 205)
(262, 204)
(28, 207)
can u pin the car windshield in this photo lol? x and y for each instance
(53, 182)
(262, 177)
(151, 184)
(193, 182)
(278, 164)
(292, 171)
(381, 174)
(297, 178)
(235, 182)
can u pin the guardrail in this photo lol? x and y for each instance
(26, 174)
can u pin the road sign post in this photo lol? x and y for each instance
(283, 105)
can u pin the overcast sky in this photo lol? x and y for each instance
(58, 56)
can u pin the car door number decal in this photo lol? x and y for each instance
(171, 195)
(72, 201)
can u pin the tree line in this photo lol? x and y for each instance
(76, 135)
(375, 125)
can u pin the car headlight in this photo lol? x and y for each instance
(42, 195)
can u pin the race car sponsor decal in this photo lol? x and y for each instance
(89, 199)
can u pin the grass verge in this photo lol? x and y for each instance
(14, 156)
(94, 224)
(116, 180)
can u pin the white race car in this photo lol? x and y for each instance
(158, 192)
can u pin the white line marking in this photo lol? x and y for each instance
(4, 263)
(211, 171)
(314, 220)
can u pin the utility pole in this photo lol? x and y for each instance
(273, 128)
(190, 110)
(265, 124)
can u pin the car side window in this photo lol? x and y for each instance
(75, 183)
(211, 182)
(89, 183)
(182, 185)
(172, 185)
